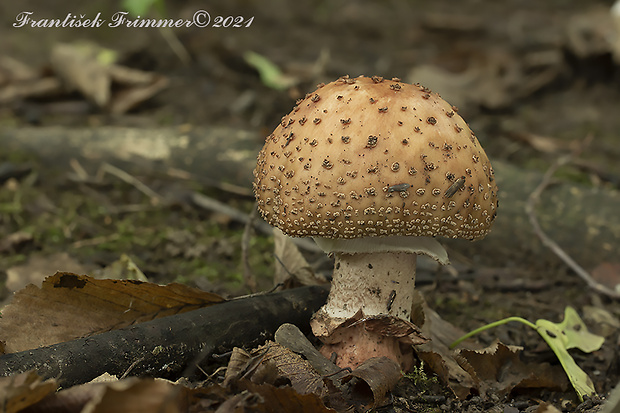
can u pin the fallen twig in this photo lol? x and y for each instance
(214, 205)
(131, 180)
(533, 200)
(170, 346)
(207, 181)
(248, 274)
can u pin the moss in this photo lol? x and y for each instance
(96, 224)
(421, 380)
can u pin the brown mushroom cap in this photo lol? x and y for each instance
(373, 157)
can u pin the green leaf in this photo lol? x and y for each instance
(139, 7)
(269, 73)
(571, 333)
(577, 333)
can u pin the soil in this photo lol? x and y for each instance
(534, 79)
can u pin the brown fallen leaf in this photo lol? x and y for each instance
(404, 330)
(37, 268)
(22, 390)
(271, 362)
(261, 369)
(602, 322)
(83, 66)
(292, 269)
(437, 355)
(18, 81)
(15, 240)
(608, 273)
(138, 86)
(590, 32)
(279, 399)
(380, 375)
(499, 77)
(12, 70)
(238, 365)
(91, 70)
(130, 395)
(69, 306)
(134, 395)
(498, 369)
(546, 408)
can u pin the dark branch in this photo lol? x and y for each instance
(171, 346)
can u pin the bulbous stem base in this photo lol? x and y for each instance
(375, 284)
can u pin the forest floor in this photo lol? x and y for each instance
(536, 81)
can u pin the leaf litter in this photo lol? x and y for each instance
(69, 306)
(85, 67)
(466, 373)
(580, 40)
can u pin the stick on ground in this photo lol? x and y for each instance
(551, 244)
(170, 346)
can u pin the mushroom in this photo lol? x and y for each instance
(374, 170)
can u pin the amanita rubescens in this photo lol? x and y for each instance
(374, 170)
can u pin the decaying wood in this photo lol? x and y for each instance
(551, 244)
(583, 219)
(171, 346)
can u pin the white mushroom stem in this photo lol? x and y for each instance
(376, 283)
(375, 275)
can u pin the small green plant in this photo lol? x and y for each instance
(270, 74)
(570, 333)
(420, 378)
(143, 7)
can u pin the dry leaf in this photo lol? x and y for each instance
(81, 68)
(22, 390)
(388, 326)
(38, 267)
(69, 306)
(139, 86)
(237, 365)
(546, 408)
(437, 355)
(12, 242)
(271, 362)
(498, 369)
(90, 69)
(381, 375)
(132, 395)
(281, 399)
(122, 269)
(292, 269)
(135, 395)
(608, 274)
(12, 70)
(304, 379)
(18, 81)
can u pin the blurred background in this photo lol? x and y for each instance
(138, 144)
